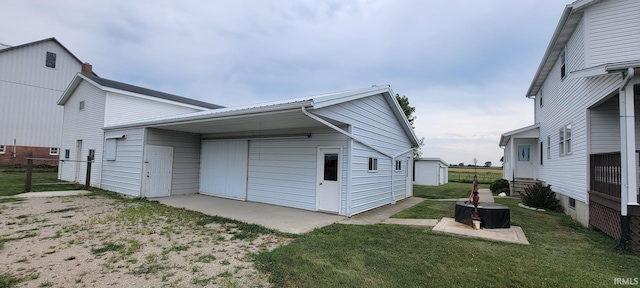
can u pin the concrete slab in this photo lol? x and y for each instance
(382, 213)
(511, 235)
(285, 219)
(412, 222)
(52, 194)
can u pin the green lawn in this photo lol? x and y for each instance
(429, 209)
(12, 182)
(562, 254)
(450, 190)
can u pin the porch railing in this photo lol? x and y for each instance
(605, 173)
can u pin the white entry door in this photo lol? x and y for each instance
(223, 168)
(328, 180)
(524, 161)
(158, 167)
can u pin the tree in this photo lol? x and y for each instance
(406, 108)
(408, 112)
(487, 164)
(461, 164)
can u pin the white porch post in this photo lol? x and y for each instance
(628, 185)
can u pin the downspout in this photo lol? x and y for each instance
(627, 159)
(353, 137)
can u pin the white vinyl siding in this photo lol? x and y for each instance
(122, 109)
(85, 126)
(29, 93)
(283, 172)
(123, 175)
(605, 127)
(430, 172)
(371, 190)
(614, 31)
(186, 158)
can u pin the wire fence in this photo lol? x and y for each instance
(484, 177)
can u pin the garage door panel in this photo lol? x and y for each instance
(223, 169)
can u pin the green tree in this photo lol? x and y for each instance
(408, 112)
(487, 164)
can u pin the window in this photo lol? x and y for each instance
(3, 149)
(92, 154)
(563, 68)
(67, 153)
(564, 143)
(548, 147)
(331, 166)
(51, 60)
(373, 164)
(54, 151)
(398, 165)
(541, 104)
(81, 106)
(524, 152)
(541, 150)
(572, 203)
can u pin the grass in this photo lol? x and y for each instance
(13, 181)
(562, 253)
(465, 174)
(428, 209)
(447, 191)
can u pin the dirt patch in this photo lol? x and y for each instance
(93, 241)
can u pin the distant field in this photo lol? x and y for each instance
(465, 174)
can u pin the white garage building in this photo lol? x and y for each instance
(343, 153)
(431, 171)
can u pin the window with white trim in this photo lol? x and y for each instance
(67, 153)
(81, 106)
(540, 101)
(564, 143)
(92, 154)
(373, 164)
(3, 149)
(54, 151)
(50, 60)
(398, 165)
(563, 68)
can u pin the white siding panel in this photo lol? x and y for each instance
(427, 172)
(283, 172)
(186, 158)
(86, 126)
(614, 31)
(122, 109)
(29, 91)
(124, 174)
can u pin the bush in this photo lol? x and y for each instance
(540, 196)
(500, 185)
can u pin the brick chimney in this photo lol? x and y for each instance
(87, 69)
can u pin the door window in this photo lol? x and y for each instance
(331, 167)
(523, 153)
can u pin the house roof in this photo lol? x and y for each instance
(433, 159)
(605, 69)
(532, 131)
(116, 86)
(289, 108)
(567, 24)
(9, 48)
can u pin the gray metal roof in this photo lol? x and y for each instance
(144, 91)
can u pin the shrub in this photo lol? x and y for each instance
(500, 185)
(540, 196)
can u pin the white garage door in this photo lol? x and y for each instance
(223, 168)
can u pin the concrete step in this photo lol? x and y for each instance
(519, 184)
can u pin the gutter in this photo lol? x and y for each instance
(353, 137)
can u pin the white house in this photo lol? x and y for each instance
(583, 142)
(344, 152)
(431, 171)
(32, 77)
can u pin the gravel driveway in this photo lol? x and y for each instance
(98, 241)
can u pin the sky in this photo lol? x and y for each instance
(465, 65)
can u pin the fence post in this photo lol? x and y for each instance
(88, 178)
(27, 184)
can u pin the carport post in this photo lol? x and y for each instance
(27, 185)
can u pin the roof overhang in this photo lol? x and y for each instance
(433, 159)
(604, 69)
(530, 132)
(567, 24)
(271, 116)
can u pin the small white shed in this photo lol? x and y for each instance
(431, 171)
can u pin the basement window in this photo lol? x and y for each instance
(67, 153)
(572, 203)
(51, 60)
(3, 149)
(373, 164)
(54, 151)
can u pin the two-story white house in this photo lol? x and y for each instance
(584, 138)
(32, 77)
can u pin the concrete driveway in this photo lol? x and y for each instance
(279, 218)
